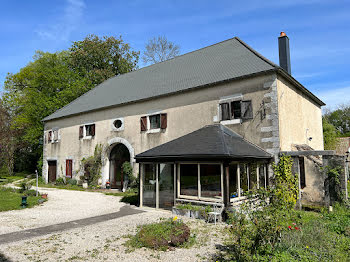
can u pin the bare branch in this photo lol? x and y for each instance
(159, 49)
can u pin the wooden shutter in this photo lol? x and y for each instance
(163, 121)
(81, 132)
(45, 138)
(50, 136)
(225, 111)
(93, 130)
(247, 109)
(69, 167)
(144, 123)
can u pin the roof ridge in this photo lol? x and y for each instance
(257, 53)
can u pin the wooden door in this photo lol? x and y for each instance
(52, 171)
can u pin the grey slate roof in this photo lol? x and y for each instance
(223, 61)
(213, 142)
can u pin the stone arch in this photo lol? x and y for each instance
(106, 154)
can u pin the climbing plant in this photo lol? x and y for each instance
(92, 166)
(285, 192)
(128, 172)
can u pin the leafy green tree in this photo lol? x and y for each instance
(340, 119)
(98, 59)
(330, 135)
(53, 80)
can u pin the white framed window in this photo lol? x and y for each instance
(200, 181)
(245, 177)
(53, 136)
(87, 131)
(233, 110)
(153, 123)
(118, 124)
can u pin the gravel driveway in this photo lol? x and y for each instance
(102, 241)
(63, 206)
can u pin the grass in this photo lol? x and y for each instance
(10, 199)
(67, 187)
(165, 234)
(6, 179)
(130, 196)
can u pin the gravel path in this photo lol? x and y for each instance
(102, 241)
(63, 206)
(105, 242)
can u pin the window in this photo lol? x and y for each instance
(250, 176)
(118, 124)
(154, 122)
(236, 110)
(210, 178)
(53, 136)
(69, 168)
(189, 179)
(87, 131)
(90, 130)
(200, 181)
(302, 172)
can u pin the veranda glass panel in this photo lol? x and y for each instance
(210, 177)
(166, 186)
(261, 176)
(252, 177)
(149, 185)
(189, 179)
(233, 181)
(244, 179)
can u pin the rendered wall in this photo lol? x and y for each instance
(186, 111)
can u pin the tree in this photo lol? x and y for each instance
(330, 135)
(8, 140)
(340, 119)
(98, 59)
(53, 80)
(159, 49)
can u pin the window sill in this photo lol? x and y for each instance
(152, 131)
(231, 122)
(87, 137)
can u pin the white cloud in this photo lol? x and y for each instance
(334, 97)
(65, 24)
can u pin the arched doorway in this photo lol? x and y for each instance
(117, 157)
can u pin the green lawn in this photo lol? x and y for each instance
(130, 196)
(10, 199)
(68, 186)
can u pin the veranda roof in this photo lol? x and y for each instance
(213, 142)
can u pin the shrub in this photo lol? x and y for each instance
(128, 172)
(60, 181)
(92, 166)
(25, 186)
(161, 236)
(71, 181)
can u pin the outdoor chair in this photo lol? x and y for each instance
(215, 214)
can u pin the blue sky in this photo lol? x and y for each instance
(319, 31)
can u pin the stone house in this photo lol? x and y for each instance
(202, 127)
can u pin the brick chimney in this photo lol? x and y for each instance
(284, 53)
